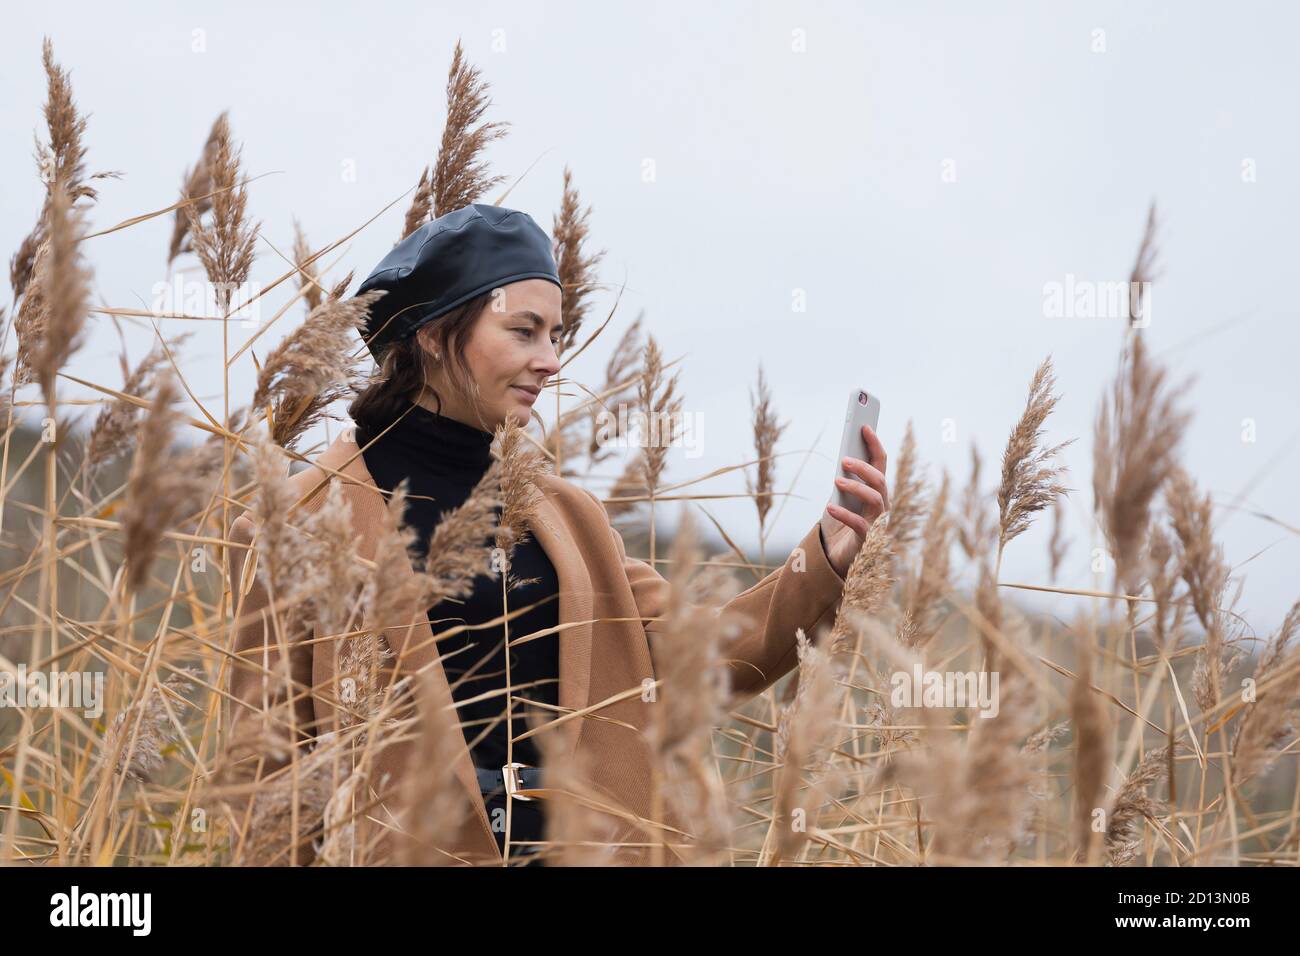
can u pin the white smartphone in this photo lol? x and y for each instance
(863, 409)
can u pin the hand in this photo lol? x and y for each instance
(843, 532)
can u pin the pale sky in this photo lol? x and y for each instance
(919, 171)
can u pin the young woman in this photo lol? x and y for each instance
(466, 335)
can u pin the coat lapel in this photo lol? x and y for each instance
(553, 534)
(414, 648)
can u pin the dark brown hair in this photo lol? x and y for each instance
(403, 370)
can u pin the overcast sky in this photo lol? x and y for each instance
(919, 171)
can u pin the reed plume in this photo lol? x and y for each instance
(804, 741)
(196, 185)
(152, 725)
(1143, 271)
(1132, 805)
(906, 498)
(1138, 432)
(1163, 575)
(417, 214)
(338, 821)
(311, 368)
(111, 435)
(661, 407)
(1041, 740)
(576, 268)
(302, 793)
(459, 174)
(274, 538)
(1206, 573)
(869, 581)
(565, 443)
(883, 657)
(691, 702)
(156, 487)
(974, 527)
(767, 432)
(630, 484)
(60, 163)
(52, 315)
(1272, 717)
(1200, 558)
(1042, 787)
(925, 589)
(309, 566)
(328, 568)
(225, 245)
(521, 471)
(308, 274)
(390, 594)
(1029, 474)
(460, 548)
(617, 389)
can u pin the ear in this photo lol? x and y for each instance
(427, 341)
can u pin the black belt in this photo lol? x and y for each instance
(491, 780)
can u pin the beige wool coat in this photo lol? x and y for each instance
(599, 659)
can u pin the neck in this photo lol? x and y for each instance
(426, 401)
(426, 440)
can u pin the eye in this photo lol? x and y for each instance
(528, 333)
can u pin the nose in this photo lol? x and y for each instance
(548, 361)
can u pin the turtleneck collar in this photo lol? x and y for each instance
(426, 436)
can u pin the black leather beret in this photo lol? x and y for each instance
(447, 262)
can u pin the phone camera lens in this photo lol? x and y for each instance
(863, 398)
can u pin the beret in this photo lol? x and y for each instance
(447, 262)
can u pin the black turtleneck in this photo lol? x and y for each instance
(443, 459)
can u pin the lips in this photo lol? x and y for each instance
(529, 393)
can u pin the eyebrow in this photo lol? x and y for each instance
(536, 319)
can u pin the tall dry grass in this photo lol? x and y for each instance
(1120, 739)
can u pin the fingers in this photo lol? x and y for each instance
(876, 449)
(874, 500)
(871, 475)
(854, 521)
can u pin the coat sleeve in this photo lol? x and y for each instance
(260, 698)
(801, 594)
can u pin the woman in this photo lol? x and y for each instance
(466, 333)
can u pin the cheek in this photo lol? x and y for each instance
(497, 358)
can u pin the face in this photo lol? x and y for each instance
(511, 352)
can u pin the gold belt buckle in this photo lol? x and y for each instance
(510, 774)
